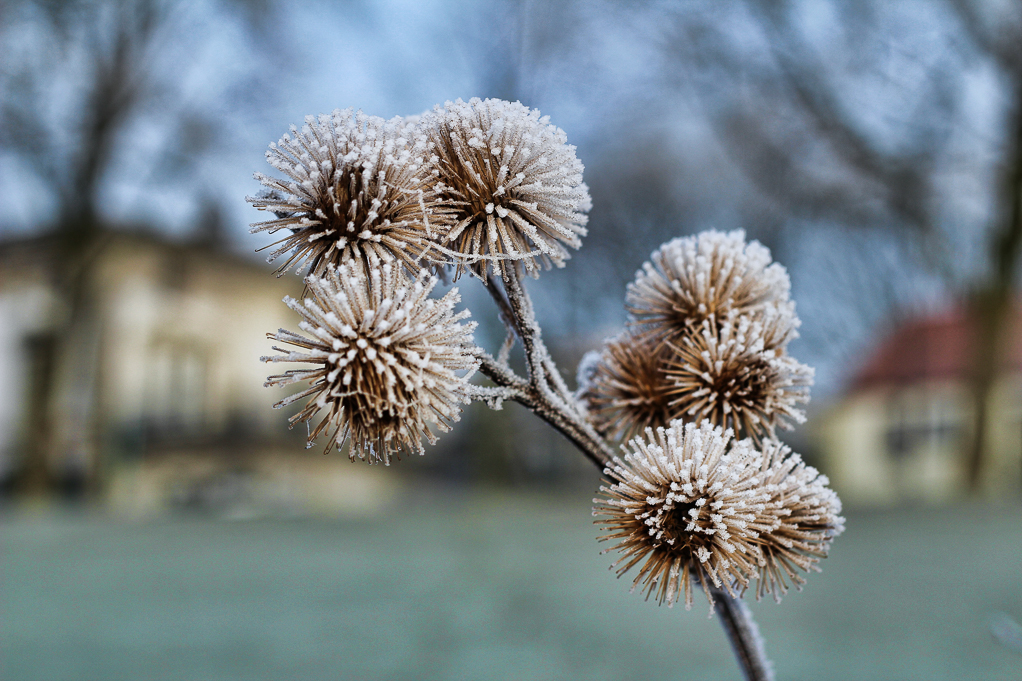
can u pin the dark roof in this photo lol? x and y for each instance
(935, 347)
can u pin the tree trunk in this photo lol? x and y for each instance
(994, 307)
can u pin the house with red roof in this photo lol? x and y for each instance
(901, 431)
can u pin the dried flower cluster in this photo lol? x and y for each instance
(513, 183)
(477, 183)
(492, 188)
(385, 358)
(467, 184)
(692, 506)
(711, 321)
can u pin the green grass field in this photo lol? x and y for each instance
(461, 585)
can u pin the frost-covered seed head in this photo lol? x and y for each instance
(688, 509)
(386, 359)
(809, 514)
(512, 184)
(730, 374)
(691, 278)
(353, 187)
(628, 390)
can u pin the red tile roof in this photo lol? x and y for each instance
(937, 347)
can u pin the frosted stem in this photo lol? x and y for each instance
(547, 396)
(507, 315)
(526, 394)
(744, 636)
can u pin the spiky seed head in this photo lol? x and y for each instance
(385, 359)
(809, 518)
(628, 391)
(687, 509)
(353, 188)
(512, 186)
(691, 507)
(729, 374)
(688, 279)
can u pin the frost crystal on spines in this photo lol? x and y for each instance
(729, 373)
(511, 185)
(688, 510)
(353, 188)
(808, 514)
(628, 390)
(386, 359)
(688, 505)
(691, 278)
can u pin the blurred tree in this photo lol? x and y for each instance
(80, 78)
(877, 117)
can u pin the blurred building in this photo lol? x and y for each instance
(901, 431)
(156, 396)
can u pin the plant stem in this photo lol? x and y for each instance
(545, 394)
(744, 636)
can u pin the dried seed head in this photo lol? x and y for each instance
(511, 183)
(628, 390)
(691, 278)
(384, 356)
(354, 189)
(688, 510)
(731, 374)
(809, 515)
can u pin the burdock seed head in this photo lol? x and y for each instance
(688, 279)
(353, 189)
(387, 360)
(511, 186)
(729, 373)
(689, 506)
(628, 390)
(688, 510)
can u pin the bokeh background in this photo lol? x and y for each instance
(159, 521)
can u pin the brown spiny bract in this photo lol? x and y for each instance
(628, 390)
(689, 506)
(727, 373)
(385, 359)
(353, 189)
(688, 279)
(809, 515)
(511, 185)
(685, 509)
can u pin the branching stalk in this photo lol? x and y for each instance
(545, 393)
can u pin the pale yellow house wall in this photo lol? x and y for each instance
(857, 441)
(222, 311)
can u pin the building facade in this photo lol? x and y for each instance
(152, 395)
(901, 431)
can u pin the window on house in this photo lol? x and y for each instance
(177, 387)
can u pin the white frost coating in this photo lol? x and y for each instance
(353, 187)
(385, 358)
(810, 519)
(690, 278)
(653, 509)
(586, 371)
(692, 509)
(628, 390)
(733, 373)
(513, 184)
